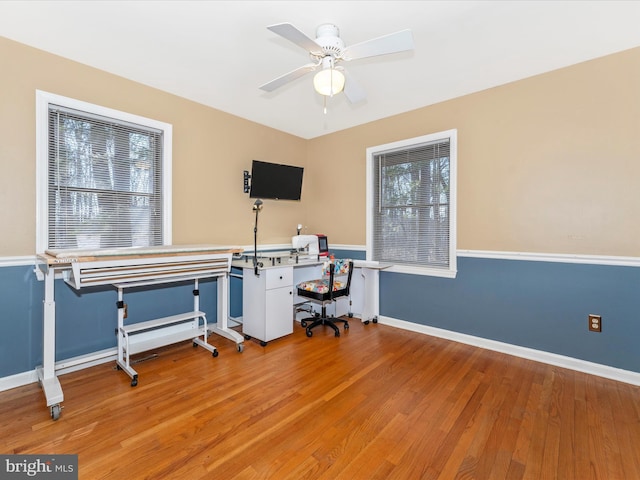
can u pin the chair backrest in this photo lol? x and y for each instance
(339, 267)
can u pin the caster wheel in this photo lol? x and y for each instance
(195, 344)
(247, 337)
(346, 326)
(309, 333)
(337, 333)
(350, 315)
(303, 324)
(55, 411)
(263, 343)
(375, 319)
(240, 347)
(215, 353)
(134, 381)
(366, 322)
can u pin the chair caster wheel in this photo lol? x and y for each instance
(337, 333)
(309, 333)
(366, 322)
(134, 381)
(215, 353)
(303, 324)
(346, 326)
(263, 343)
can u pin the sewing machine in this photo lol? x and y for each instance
(305, 245)
(312, 246)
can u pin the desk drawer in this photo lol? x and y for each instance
(278, 277)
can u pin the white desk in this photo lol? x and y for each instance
(130, 267)
(268, 299)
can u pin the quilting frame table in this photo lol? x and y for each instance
(134, 267)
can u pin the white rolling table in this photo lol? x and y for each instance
(133, 267)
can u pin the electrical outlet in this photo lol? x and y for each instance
(595, 323)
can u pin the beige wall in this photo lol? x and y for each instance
(548, 164)
(210, 151)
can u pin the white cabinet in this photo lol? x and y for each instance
(267, 303)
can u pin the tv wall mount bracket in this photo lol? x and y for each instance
(247, 176)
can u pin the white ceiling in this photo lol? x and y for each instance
(219, 52)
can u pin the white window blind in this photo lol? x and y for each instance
(104, 181)
(411, 204)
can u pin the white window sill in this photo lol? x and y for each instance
(431, 272)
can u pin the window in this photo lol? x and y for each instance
(411, 198)
(103, 177)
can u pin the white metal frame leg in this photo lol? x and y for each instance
(222, 326)
(196, 307)
(124, 350)
(47, 373)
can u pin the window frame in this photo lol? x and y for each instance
(371, 152)
(43, 100)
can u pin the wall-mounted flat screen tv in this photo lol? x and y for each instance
(275, 181)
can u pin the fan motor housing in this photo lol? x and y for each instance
(328, 37)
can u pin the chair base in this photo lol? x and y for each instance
(324, 320)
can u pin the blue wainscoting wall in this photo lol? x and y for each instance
(536, 304)
(20, 320)
(352, 254)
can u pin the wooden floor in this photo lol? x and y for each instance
(378, 402)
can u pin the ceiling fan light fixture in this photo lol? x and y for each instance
(327, 50)
(328, 82)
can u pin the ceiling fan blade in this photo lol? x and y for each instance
(291, 33)
(288, 77)
(352, 89)
(393, 43)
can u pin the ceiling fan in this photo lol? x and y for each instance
(328, 50)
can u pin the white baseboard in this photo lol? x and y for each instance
(62, 367)
(18, 380)
(584, 366)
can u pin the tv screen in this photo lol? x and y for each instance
(275, 181)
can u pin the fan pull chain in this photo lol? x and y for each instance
(324, 104)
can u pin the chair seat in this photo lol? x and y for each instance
(320, 286)
(326, 290)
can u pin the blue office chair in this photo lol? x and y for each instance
(325, 291)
